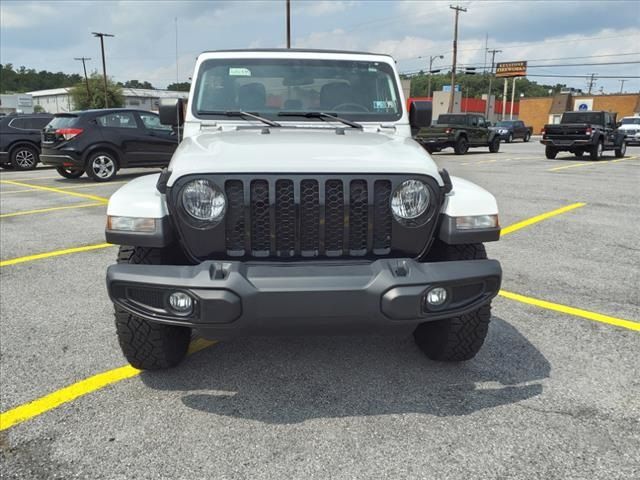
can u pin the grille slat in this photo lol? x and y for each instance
(306, 217)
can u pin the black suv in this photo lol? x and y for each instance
(20, 140)
(100, 142)
(459, 131)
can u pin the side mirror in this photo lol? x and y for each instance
(420, 114)
(171, 112)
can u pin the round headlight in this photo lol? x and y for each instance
(410, 200)
(203, 200)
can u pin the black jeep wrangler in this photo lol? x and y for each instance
(459, 131)
(582, 132)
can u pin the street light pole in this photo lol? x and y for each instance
(86, 79)
(431, 59)
(458, 9)
(288, 23)
(104, 66)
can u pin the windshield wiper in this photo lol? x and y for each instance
(321, 115)
(240, 113)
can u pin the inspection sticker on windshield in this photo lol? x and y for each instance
(384, 105)
(239, 72)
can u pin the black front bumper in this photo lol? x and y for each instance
(238, 298)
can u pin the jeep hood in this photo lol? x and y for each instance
(301, 150)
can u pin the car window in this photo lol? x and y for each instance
(118, 120)
(152, 122)
(474, 121)
(36, 123)
(631, 121)
(63, 121)
(18, 123)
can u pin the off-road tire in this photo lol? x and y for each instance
(621, 150)
(462, 145)
(67, 172)
(579, 153)
(7, 166)
(550, 152)
(527, 137)
(149, 345)
(494, 146)
(24, 157)
(596, 151)
(509, 138)
(458, 338)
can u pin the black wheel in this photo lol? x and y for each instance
(510, 138)
(8, 166)
(70, 172)
(458, 338)
(578, 153)
(462, 145)
(550, 152)
(494, 146)
(24, 157)
(621, 150)
(148, 345)
(102, 166)
(595, 153)
(527, 137)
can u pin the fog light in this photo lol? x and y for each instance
(180, 302)
(436, 296)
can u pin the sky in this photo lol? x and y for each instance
(47, 35)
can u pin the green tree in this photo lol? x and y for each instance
(26, 79)
(95, 97)
(179, 87)
(137, 84)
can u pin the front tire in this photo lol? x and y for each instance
(24, 157)
(149, 345)
(458, 338)
(68, 172)
(510, 138)
(621, 150)
(102, 166)
(527, 137)
(462, 146)
(550, 152)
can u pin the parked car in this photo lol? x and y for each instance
(579, 132)
(100, 142)
(20, 140)
(299, 216)
(630, 127)
(459, 131)
(510, 130)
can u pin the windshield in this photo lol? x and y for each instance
(504, 124)
(355, 90)
(452, 120)
(62, 121)
(631, 121)
(581, 117)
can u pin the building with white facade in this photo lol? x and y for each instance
(16, 103)
(58, 100)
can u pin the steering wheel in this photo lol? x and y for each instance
(358, 107)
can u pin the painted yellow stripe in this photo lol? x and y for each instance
(74, 187)
(568, 166)
(79, 389)
(51, 209)
(576, 312)
(55, 253)
(57, 190)
(539, 218)
(601, 162)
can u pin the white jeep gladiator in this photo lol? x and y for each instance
(298, 203)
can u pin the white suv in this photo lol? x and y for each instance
(299, 203)
(630, 126)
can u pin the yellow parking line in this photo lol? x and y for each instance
(51, 209)
(57, 190)
(539, 218)
(79, 389)
(602, 162)
(32, 178)
(74, 187)
(576, 312)
(55, 253)
(568, 166)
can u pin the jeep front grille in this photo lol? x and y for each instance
(307, 217)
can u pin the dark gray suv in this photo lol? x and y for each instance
(20, 140)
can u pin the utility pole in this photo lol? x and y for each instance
(104, 66)
(288, 23)
(591, 82)
(177, 73)
(493, 59)
(431, 59)
(513, 95)
(86, 79)
(621, 84)
(458, 9)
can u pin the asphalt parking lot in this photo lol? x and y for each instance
(554, 393)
